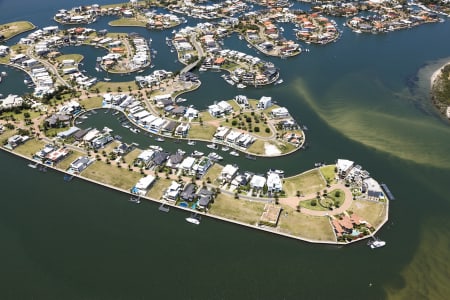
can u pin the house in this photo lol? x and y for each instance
(188, 193)
(81, 163)
(143, 185)
(174, 160)
(58, 120)
(242, 101)
(373, 188)
(187, 164)
(233, 136)
(280, 112)
(17, 140)
(205, 197)
(241, 179)
(202, 165)
(344, 166)
(228, 172)
(257, 182)
(10, 102)
(221, 132)
(191, 113)
(144, 158)
(274, 183)
(101, 141)
(56, 156)
(160, 158)
(172, 192)
(169, 127)
(123, 149)
(182, 130)
(264, 102)
(41, 154)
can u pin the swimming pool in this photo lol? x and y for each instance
(183, 204)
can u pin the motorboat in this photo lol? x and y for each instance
(191, 143)
(212, 146)
(215, 156)
(197, 154)
(279, 81)
(156, 148)
(193, 220)
(234, 153)
(241, 86)
(159, 139)
(225, 149)
(135, 130)
(180, 100)
(376, 243)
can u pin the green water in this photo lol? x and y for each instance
(363, 98)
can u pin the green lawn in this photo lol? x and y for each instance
(130, 157)
(240, 210)
(30, 147)
(307, 204)
(75, 57)
(9, 30)
(103, 86)
(64, 165)
(112, 175)
(20, 116)
(257, 147)
(328, 173)
(127, 22)
(93, 102)
(302, 225)
(213, 172)
(308, 182)
(205, 132)
(372, 212)
(158, 188)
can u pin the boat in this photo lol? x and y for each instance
(33, 166)
(276, 171)
(180, 100)
(376, 243)
(234, 153)
(197, 153)
(215, 156)
(193, 220)
(191, 143)
(156, 148)
(241, 86)
(136, 200)
(279, 81)
(135, 130)
(225, 149)
(159, 139)
(251, 157)
(319, 164)
(202, 69)
(212, 146)
(181, 151)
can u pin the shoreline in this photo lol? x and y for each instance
(216, 217)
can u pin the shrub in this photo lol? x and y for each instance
(267, 130)
(256, 129)
(313, 202)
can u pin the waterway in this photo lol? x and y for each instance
(364, 98)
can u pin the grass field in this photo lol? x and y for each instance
(75, 57)
(308, 182)
(328, 173)
(298, 224)
(127, 22)
(158, 188)
(30, 147)
(105, 87)
(240, 210)
(257, 147)
(9, 30)
(307, 204)
(112, 175)
(205, 132)
(64, 165)
(372, 212)
(93, 102)
(213, 172)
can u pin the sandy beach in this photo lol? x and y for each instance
(436, 74)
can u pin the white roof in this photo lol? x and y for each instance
(274, 181)
(145, 182)
(258, 181)
(187, 163)
(229, 170)
(344, 164)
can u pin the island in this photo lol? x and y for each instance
(332, 203)
(440, 89)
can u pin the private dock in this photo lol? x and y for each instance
(164, 208)
(387, 191)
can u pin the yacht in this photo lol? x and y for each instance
(225, 148)
(135, 130)
(159, 139)
(197, 153)
(241, 86)
(376, 243)
(234, 153)
(193, 220)
(215, 156)
(156, 148)
(212, 146)
(107, 79)
(191, 143)
(279, 81)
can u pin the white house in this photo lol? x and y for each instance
(257, 182)
(228, 172)
(274, 183)
(264, 102)
(143, 185)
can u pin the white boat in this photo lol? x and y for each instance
(107, 79)
(180, 100)
(279, 81)
(376, 243)
(234, 153)
(212, 146)
(224, 148)
(156, 148)
(215, 156)
(134, 130)
(202, 69)
(197, 153)
(241, 86)
(136, 200)
(180, 151)
(191, 143)
(193, 220)
(159, 139)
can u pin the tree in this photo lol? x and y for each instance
(256, 129)
(267, 130)
(298, 193)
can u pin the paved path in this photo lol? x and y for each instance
(293, 202)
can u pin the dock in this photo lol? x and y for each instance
(164, 208)
(387, 191)
(68, 177)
